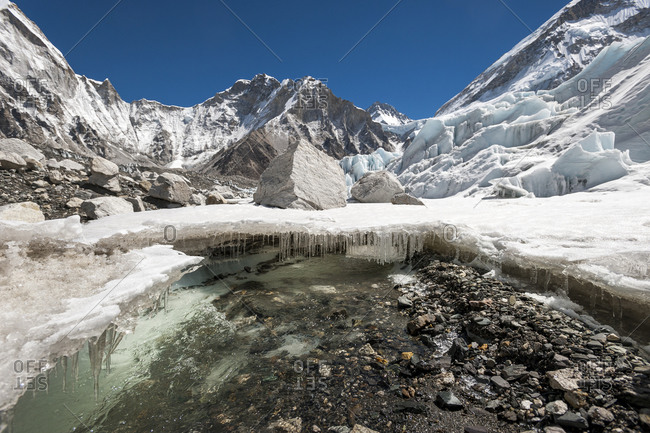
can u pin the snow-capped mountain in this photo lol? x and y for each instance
(567, 110)
(386, 114)
(43, 101)
(558, 50)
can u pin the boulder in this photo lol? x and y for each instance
(32, 163)
(405, 199)
(172, 188)
(55, 177)
(197, 200)
(376, 187)
(106, 206)
(27, 212)
(21, 148)
(104, 173)
(215, 198)
(138, 204)
(103, 166)
(302, 178)
(70, 165)
(11, 160)
(74, 203)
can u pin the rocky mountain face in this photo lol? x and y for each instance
(386, 114)
(558, 50)
(45, 103)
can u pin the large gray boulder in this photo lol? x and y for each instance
(11, 160)
(28, 212)
(105, 174)
(106, 206)
(172, 188)
(302, 178)
(376, 187)
(406, 199)
(21, 148)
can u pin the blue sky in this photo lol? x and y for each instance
(182, 53)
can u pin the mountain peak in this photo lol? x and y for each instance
(387, 114)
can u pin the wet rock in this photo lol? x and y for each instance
(557, 408)
(339, 429)
(644, 418)
(476, 429)
(600, 416)
(553, 429)
(404, 303)
(106, 206)
(414, 326)
(500, 383)
(577, 399)
(28, 212)
(447, 400)
(293, 425)
(563, 380)
(302, 178)
(358, 428)
(410, 406)
(367, 350)
(572, 420)
(171, 188)
(406, 199)
(376, 187)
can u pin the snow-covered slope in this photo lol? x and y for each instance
(43, 101)
(559, 49)
(588, 130)
(386, 114)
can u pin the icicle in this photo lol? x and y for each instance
(96, 352)
(110, 336)
(64, 364)
(74, 373)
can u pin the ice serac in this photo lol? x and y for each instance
(535, 138)
(302, 178)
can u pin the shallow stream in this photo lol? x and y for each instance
(231, 341)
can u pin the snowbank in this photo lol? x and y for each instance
(57, 293)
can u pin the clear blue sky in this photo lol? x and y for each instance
(182, 53)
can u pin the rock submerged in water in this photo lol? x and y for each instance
(302, 178)
(377, 187)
